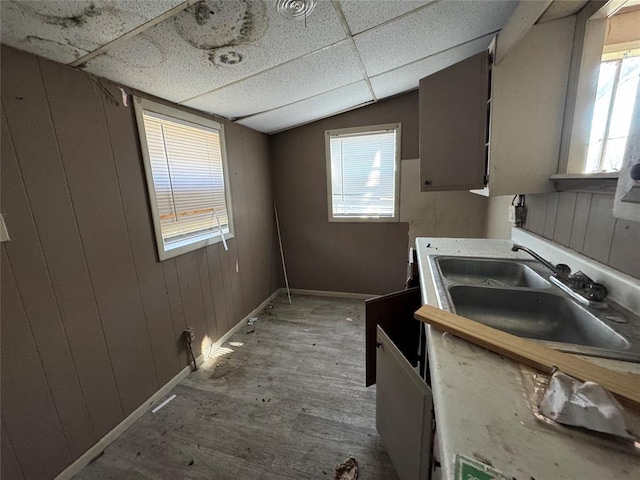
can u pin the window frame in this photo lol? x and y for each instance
(180, 116)
(356, 130)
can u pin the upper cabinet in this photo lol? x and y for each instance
(452, 119)
(496, 129)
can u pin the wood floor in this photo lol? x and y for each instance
(284, 399)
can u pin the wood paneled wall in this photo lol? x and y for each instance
(355, 257)
(91, 320)
(585, 223)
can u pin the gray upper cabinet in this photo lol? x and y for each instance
(496, 129)
(453, 116)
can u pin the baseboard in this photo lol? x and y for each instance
(324, 293)
(156, 398)
(105, 441)
(242, 322)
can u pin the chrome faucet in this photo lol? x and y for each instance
(577, 282)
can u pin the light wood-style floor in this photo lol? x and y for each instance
(284, 399)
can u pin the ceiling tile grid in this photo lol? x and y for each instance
(291, 82)
(407, 77)
(179, 58)
(67, 30)
(363, 15)
(240, 58)
(437, 27)
(311, 109)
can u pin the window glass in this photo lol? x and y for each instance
(363, 173)
(186, 169)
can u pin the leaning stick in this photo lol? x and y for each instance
(284, 268)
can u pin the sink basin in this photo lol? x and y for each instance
(534, 314)
(490, 273)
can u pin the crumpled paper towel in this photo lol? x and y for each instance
(583, 404)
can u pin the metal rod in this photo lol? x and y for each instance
(284, 268)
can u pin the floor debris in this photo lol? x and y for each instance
(348, 470)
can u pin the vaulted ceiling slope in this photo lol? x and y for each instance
(242, 60)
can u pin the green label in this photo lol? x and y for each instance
(470, 469)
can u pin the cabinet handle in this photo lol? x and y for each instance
(378, 344)
(427, 182)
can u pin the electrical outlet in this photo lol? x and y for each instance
(189, 334)
(516, 214)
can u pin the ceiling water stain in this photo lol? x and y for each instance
(68, 21)
(216, 24)
(225, 56)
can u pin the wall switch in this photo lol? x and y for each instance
(4, 234)
(516, 214)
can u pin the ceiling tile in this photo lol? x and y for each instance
(67, 30)
(311, 109)
(364, 15)
(291, 82)
(407, 77)
(186, 56)
(437, 27)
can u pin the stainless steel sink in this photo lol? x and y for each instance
(514, 296)
(534, 314)
(492, 273)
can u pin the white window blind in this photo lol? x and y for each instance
(188, 179)
(363, 174)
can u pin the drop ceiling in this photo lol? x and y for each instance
(242, 60)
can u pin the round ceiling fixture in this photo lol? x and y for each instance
(295, 8)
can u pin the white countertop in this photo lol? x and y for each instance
(480, 405)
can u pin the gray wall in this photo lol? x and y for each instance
(585, 223)
(358, 257)
(91, 321)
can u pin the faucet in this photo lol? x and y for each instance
(577, 282)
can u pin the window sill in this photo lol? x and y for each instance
(602, 183)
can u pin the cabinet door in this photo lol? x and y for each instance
(394, 312)
(404, 412)
(453, 121)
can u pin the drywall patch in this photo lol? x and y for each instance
(212, 24)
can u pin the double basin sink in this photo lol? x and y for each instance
(515, 296)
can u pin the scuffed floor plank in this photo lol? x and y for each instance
(283, 398)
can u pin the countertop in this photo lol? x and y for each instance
(480, 400)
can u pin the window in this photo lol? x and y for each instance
(616, 93)
(185, 164)
(363, 173)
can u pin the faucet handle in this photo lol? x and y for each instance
(595, 291)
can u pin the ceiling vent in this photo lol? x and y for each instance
(295, 8)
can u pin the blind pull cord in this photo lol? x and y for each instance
(224, 240)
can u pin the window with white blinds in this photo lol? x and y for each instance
(185, 166)
(363, 173)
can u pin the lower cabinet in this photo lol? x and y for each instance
(404, 411)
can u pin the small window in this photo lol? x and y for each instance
(363, 173)
(185, 164)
